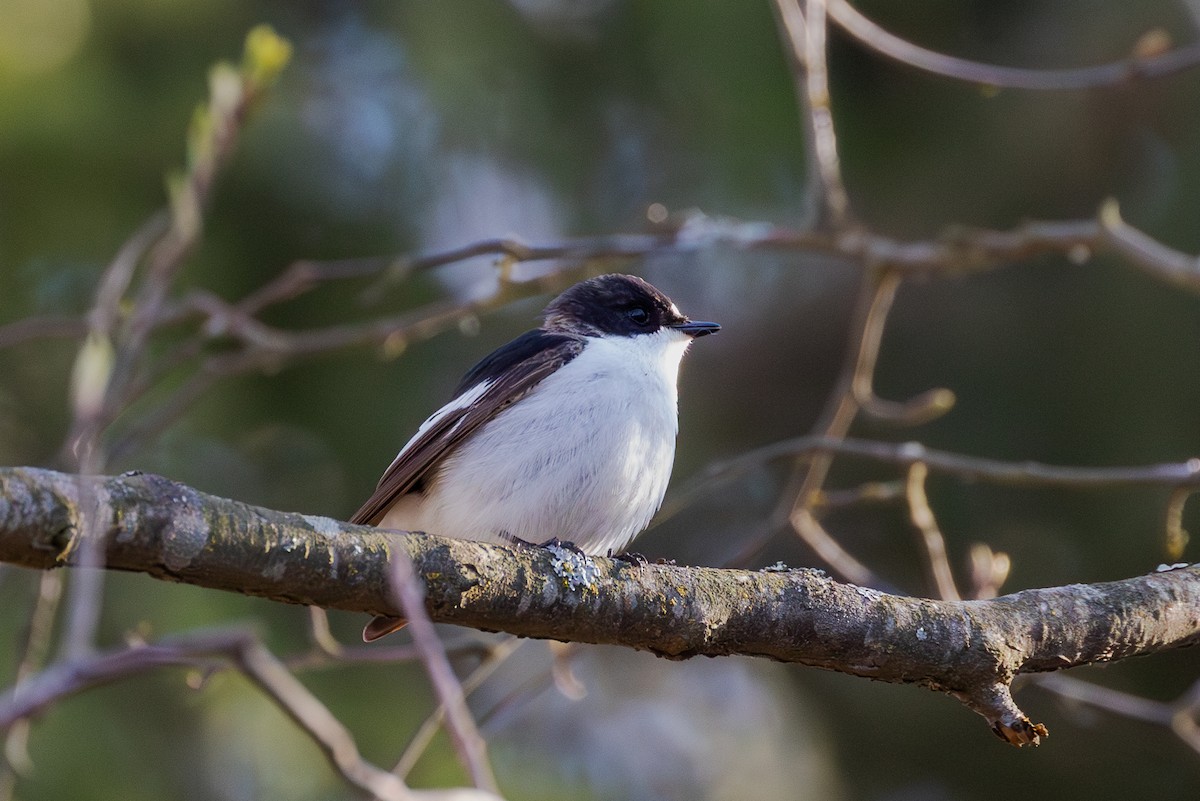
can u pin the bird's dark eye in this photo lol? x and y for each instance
(638, 314)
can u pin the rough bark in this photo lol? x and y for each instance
(970, 649)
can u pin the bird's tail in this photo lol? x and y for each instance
(381, 626)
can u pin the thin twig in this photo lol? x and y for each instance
(1115, 701)
(34, 651)
(270, 349)
(934, 544)
(920, 409)
(273, 677)
(870, 492)
(424, 735)
(50, 326)
(797, 501)
(1171, 266)
(306, 275)
(875, 302)
(1117, 73)
(804, 32)
(85, 590)
(1181, 716)
(468, 742)
(243, 649)
(958, 250)
(1166, 475)
(967, 468)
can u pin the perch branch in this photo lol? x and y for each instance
(970, 649)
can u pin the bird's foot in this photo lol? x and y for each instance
(555, 542)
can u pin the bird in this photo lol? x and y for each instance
(566, 431)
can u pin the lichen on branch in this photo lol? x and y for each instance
(969, 649)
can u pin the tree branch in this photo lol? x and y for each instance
(970, 649)
(247, 654)
(1118, 73)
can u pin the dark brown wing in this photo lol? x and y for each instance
(506, 376)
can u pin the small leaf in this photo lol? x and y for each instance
(265, 56)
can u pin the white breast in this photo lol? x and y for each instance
(585, 457)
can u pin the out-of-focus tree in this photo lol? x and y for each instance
(958, 204)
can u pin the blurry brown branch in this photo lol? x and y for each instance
(1136, 67)
(875, 296)
(970, 649)
(957, 250)
(460, 725)
(262, 348)
(243, 651)
(136, 285)
(1181, 716)
(804, 31)
(934, 544)
(50, 326)
(1182, 478)
(424, 735)
(962, 466)
(854, 393)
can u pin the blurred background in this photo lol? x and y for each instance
(415, 127)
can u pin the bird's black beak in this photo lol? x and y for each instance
(694, 328)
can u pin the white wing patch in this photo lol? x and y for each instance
(461, 402)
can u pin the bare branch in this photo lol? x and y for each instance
(1181, 716)
(1125, 71)
(113, 354)
(424, 735)
(1167, 475)
(1167, 264)
(34, 652)
(468, 743)
(804, 32)
(267, 348)
(876, 295)
(248, 655)
(925, 522)
(313, 717)
(50, 326)
(957, 250)
(923, 408)
(795, 508)
(970, 649)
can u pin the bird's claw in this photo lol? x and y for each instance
(555, 542)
